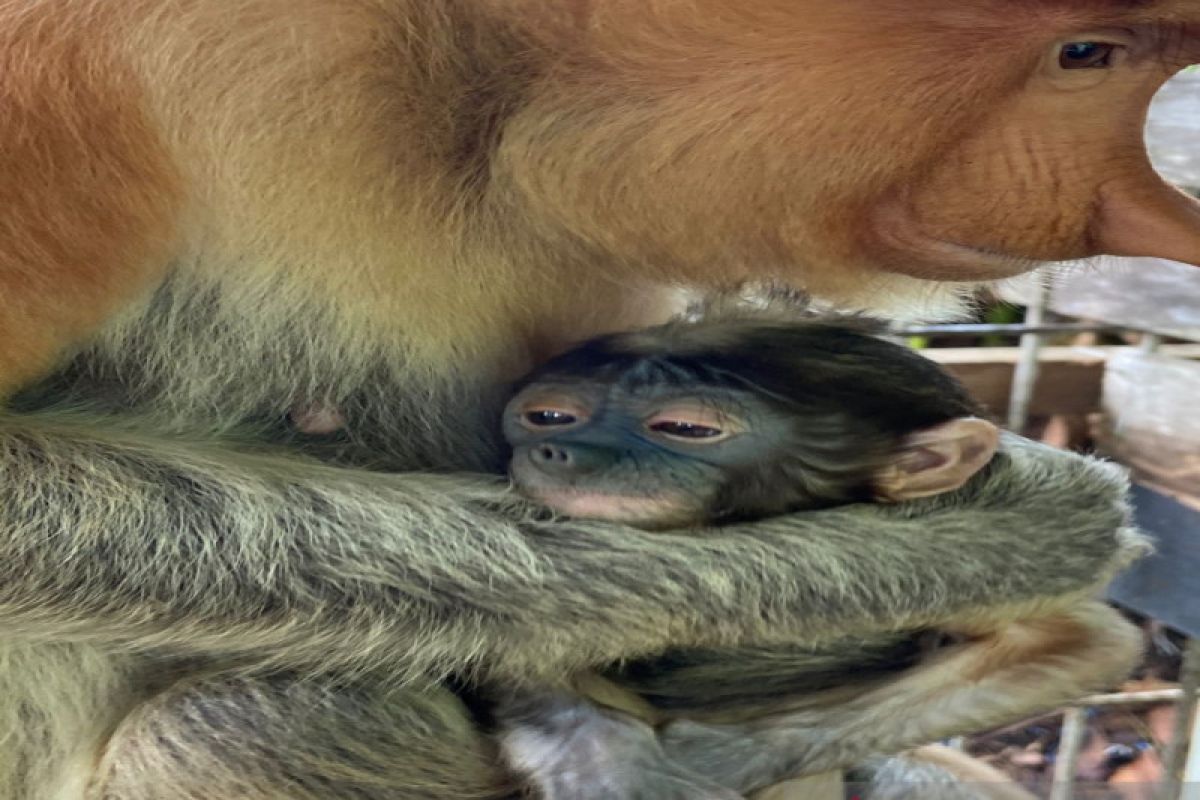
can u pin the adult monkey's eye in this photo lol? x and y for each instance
(1086, 55)
(686, 430)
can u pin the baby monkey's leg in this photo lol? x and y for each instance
(569, 748)
(1013, 670)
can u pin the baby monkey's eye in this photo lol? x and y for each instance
(551, 409)
(547, 417)
(694, 422)
(686, 430)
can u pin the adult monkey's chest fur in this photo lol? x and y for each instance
(202, 361)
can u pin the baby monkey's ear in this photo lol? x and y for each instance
(937, 459)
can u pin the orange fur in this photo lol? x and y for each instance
(88, 192)
(407, 160)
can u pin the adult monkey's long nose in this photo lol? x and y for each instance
(1137, 212)
(1146, 216)
(1140, 214)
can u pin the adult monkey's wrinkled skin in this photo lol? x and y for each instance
(215, 211)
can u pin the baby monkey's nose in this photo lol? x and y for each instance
(563, 460)
(552, 456)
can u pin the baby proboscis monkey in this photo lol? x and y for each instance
(701, 423)
(696, 424)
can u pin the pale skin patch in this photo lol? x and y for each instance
(651, 510)
(318, 419)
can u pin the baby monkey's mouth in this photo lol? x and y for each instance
(652, 511)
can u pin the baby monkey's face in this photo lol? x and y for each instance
(650, 457)
(657, 455)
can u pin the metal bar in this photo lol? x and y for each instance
(1025, 373)
(1177, 750)
(1015, 329)
(1069, 743)
(1131, 698)
(1191, 768)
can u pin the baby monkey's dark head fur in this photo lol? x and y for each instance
(740, 418)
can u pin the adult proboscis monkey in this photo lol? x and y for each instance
(213, 212)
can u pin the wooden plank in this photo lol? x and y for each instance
(1069, 382)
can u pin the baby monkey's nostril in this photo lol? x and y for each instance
(548, 454)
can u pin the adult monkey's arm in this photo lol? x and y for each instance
(122, 538)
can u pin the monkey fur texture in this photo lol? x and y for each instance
(195, 612)
(216, 212)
